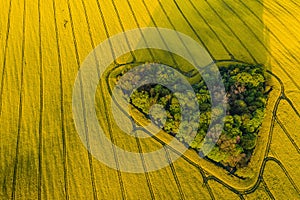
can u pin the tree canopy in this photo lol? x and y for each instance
(245, 100)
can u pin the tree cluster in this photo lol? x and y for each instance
(245, 100)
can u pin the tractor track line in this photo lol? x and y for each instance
(14, 180)
(205, 182)
(296, 4)
(267, 190)
(93, 46)
(257, 38)
(145, 167)
(283, 97)
(168, 157)
(286, 10)
(62, 111)
(5, 55)
(210, 191)
(247, 26)
(287, 134)
(40, 148)
(292, 105)
(106, 30)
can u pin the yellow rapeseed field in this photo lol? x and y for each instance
(43, 44)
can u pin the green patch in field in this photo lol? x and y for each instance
(245, 100)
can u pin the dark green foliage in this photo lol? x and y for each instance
(141, 100)
(245, 99)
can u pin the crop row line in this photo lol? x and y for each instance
(296, 4)
(40, 147)
(287, 134)
(286, 10)
(269, 193)
(5, 55)
(14, 181)
(62, 111)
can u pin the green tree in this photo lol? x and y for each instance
(239, 107)
(217, 155)
(248, 141)
(175, 106)
(141, 100)
(237, 120)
